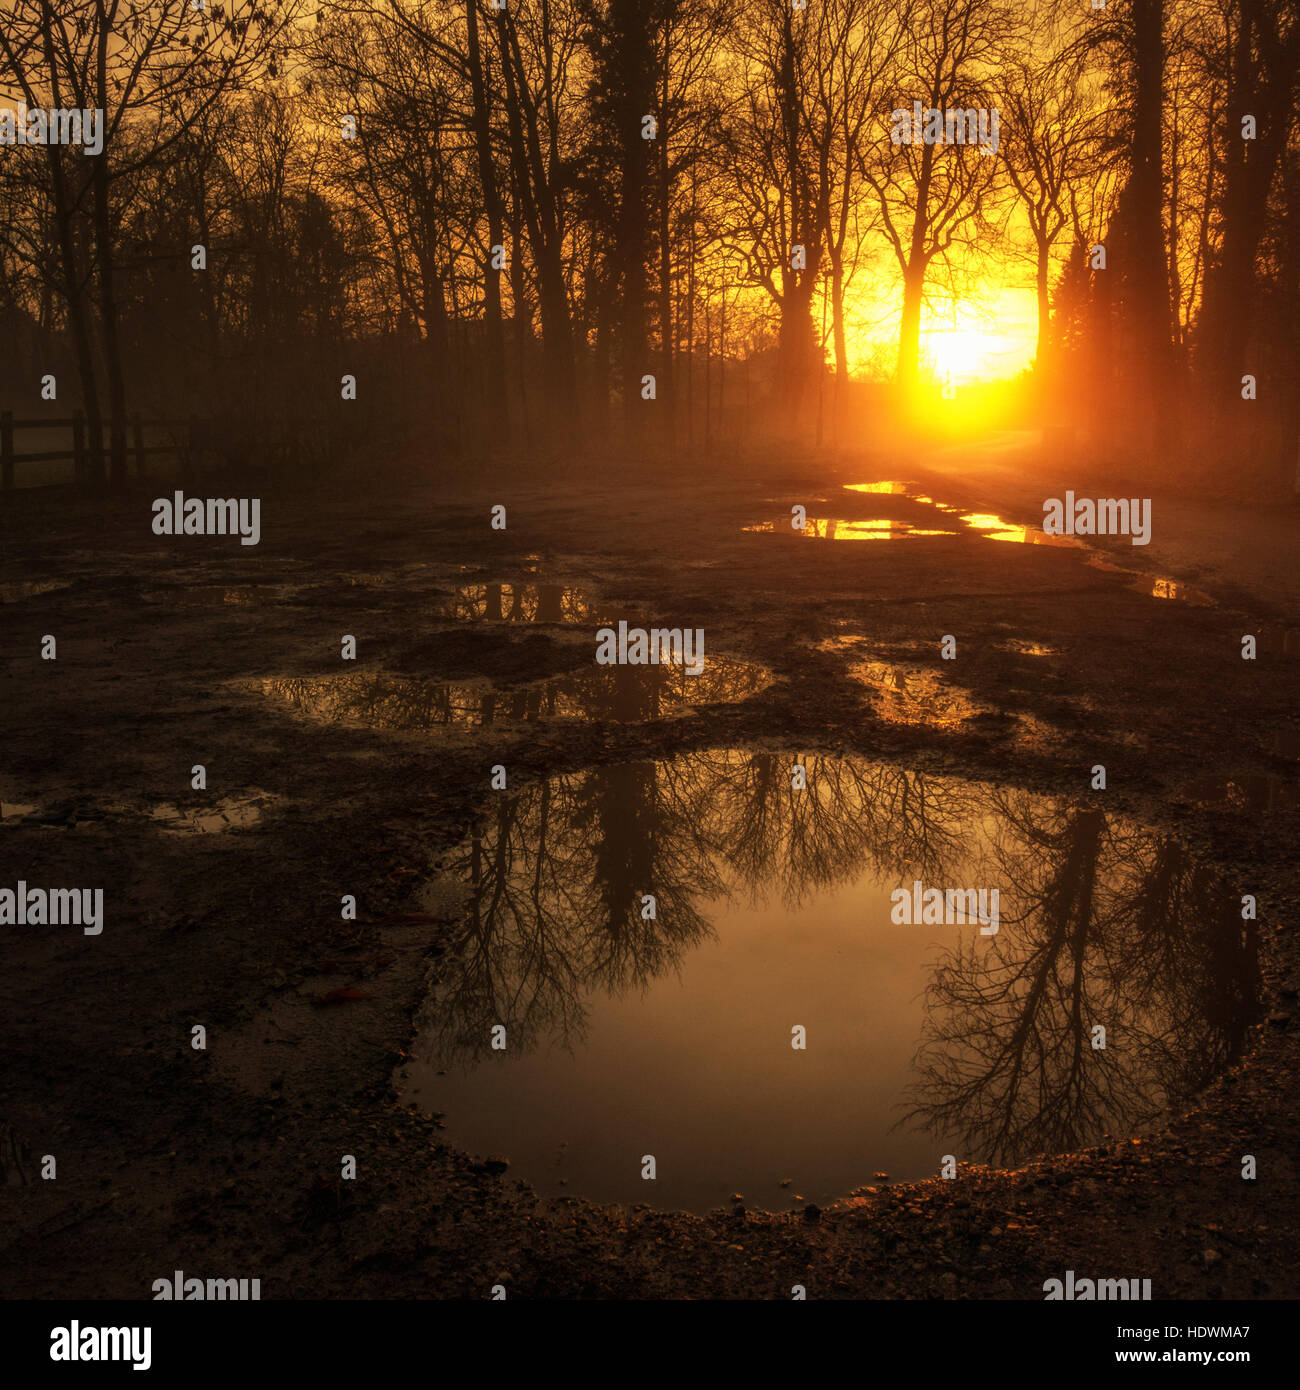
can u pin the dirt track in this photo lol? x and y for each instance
(225, 1162)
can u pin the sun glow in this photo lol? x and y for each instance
(965, 354)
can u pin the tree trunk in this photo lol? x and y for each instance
(498, 421)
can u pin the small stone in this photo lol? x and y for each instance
(1211, 1258)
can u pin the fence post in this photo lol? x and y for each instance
(6, 449)
(137, 439)
(79, 445)
(192, 454)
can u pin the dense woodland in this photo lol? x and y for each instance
(502, 221)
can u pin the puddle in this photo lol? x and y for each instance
(231, 813)
(671, 1037)
(951, 519)
(523, 603)
(626, 693)
(1154, 586)
(29, 588)
(834, 529)
(915, 694)
(987, 524)
(995, 529)
(220, 595)
(15, 810)
(1015, 644)
(1246, 791)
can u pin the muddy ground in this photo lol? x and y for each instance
(225, 1162)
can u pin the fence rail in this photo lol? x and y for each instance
(81, 450)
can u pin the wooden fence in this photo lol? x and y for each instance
(81, 453)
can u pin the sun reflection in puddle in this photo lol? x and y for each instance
(836, 529)
(630, 1031)
(994, 528)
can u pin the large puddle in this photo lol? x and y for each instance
(628, 1035)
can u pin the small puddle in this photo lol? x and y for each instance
(223, 596)
(994, 528)
(916, 694)
(1245, 791)
(625, 693)
(231, 813)
(1015, 644)
(15, 810)
(523, 603)
(1154, 586)
(29, 588)
(628, 1035)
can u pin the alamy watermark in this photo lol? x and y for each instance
(1105, 516)
(55, 907)
(1098, 1290)
(77, 1343)
(927, 125)
(195, 1290)
(179, 515)
(54, 125)
(656, 646)
(921, 906)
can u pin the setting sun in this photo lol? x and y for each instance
(963, 354)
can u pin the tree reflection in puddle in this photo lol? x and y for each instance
(381, 700)
(524, 603)
(670, 1036)
(915, 695)
(230, 813)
